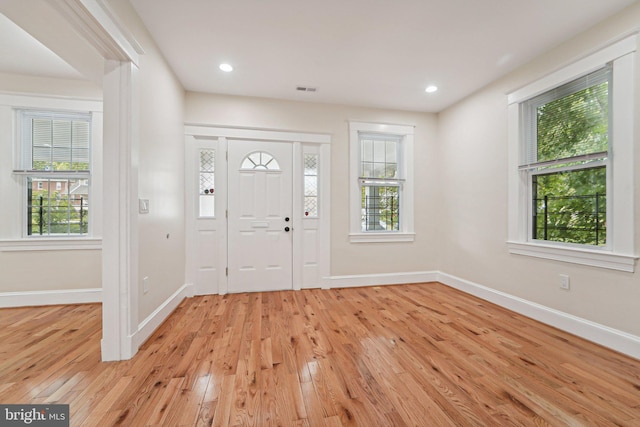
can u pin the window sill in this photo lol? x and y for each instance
(381, 237)
(53, 244)
(590, 257)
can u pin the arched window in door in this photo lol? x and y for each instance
(260, 160)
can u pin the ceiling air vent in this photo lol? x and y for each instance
(306, 89)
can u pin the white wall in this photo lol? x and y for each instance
(472, 202)
(346, 258)
(29, 271)
(161, 236)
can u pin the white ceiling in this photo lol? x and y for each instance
(20, 53)
(378, 53)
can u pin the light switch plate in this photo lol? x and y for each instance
(143, 206)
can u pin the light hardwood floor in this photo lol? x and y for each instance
(422, 355)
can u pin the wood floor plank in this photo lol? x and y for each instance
(422, 354)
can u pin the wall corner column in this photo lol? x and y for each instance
(120, 248)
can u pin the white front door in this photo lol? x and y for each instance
(260, 225)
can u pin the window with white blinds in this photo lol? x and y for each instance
(55, 170)
(567, 147)
(55, 141)
(571, 162)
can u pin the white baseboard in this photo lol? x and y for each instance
(40, 298)
(160, 314)
(608, 337)
(381, 279)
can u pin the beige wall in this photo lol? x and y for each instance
(22, 84)
(346, 258)
(161, 170)
(25, 271)
(472, 203)
(461, 188)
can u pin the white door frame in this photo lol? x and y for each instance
(311, 248)
(92, 21)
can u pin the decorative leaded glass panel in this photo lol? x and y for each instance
(311, 185)
(311, 206)
(207, 181)
(207, 160)
(311, 164)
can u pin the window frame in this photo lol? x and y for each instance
(619, 253)
(531, 167)
(26, 172)
(312, 152)
(13, 228)
(405, 136)
(203, 195)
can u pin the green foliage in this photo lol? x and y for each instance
(57, 214)
(380, 206)
(574, 210)
(575, 124)
(60, 166)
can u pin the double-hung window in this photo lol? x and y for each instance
(381, 182)
(571, 162)
(55, 167)
(566, 160)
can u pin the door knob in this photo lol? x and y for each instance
(287, 219)
(287, 229)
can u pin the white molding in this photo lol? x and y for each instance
(576, 69)
(623, 170)
(297, 200)
(358, 280)
(603, 335)
(160, 314)
(54, 297)
(120, 249)
(50, 102)
(219, 137)
(381, 237)
(99, 26)
(71, 244)
(222, 204)
(407, 196)
(386, 128)
(619, 253)
(593, 258)
(324, 254)
(615, 339)
(203, 131)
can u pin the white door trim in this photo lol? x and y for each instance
(204, 131)
(220, 137)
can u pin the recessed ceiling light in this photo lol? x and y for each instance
(226, 68)
(431, 89)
